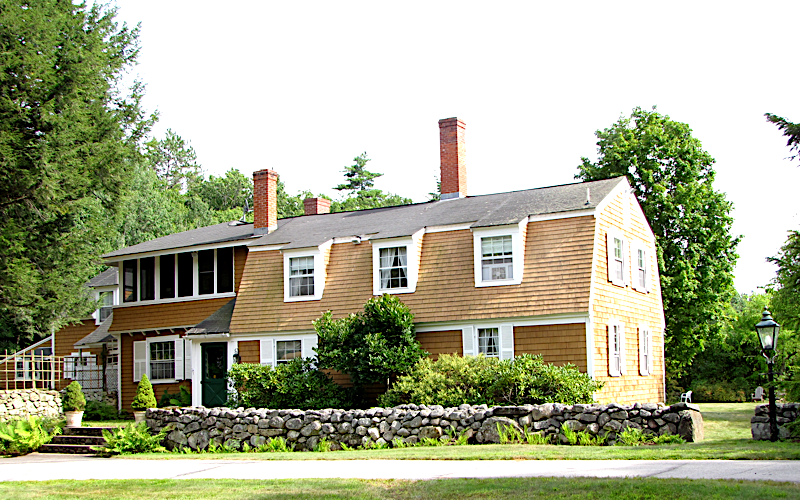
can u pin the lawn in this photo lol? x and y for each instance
(727, 437)
(509, 488)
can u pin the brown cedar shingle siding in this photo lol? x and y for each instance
(67, 336)
(126, 367)
(558, 344)
(557, 276)
(436, 343)
(250, 351)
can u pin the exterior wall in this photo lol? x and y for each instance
(128, 386)
(445, 342)
(556, 280)
(67, 336)
(628, 306)
(250, 351)
(558, 344)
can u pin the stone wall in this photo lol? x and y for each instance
(22, 403)
(195, 427)
(786, 413)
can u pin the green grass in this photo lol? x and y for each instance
(727, 437)
(105, 423)
(457, 489)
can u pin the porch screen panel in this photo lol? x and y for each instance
(147, 277)
(185, 274)
(205, 271)
(167, 272)
(224, 270)
(129, 281)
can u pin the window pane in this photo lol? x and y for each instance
(147, 277)
(393, 267)
(618, 248)
(129, 281)
(287, 350)
(167, 272)
(205, 271)
(301, 276)
(497, 260)
(162, 360)
(185, 274)
(488, 340)
(224, 270)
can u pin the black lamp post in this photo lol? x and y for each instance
(767, 330)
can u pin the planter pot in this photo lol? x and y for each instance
(74, 418)
(138, 416)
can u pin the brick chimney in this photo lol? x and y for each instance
(265, 201)
(316, 206)
(453, 158)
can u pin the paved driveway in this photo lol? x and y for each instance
(35, 467)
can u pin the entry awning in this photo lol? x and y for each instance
(218, 323)
(99, 336)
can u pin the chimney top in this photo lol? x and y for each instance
(316, 206)
(265, 201)
(453, 175)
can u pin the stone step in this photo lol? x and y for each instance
(75, 449)
(85, 431)
(88, 440)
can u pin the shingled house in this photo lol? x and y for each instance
(566, 271)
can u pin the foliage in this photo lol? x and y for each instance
(99, 411)
(73, 399)
(296, 384)
(173, 160)
(736, 391)
(672, 178)
(357, 177)
(232, 191)
(786, 285)
(361, 194)
(526, 379)
(370, 346)
(22, 436)
(132, 438)
(581, 438)
(790, 130)
(145, 398)
(68, 133)
(636, 437)
(181, 398)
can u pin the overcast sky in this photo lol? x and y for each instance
(303, 87)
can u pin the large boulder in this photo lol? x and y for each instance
(488, 431)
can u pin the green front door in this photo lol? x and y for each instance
(215, 367)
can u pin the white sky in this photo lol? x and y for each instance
(303, 87)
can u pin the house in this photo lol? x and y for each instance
(566, 271)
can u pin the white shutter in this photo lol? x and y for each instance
(610, 256)
(642, 351)
(626, 263)
(622, 361)
(613, 369)
(468, 339)
(266, 352)
(187, 359)
(307, 346)
(506, 341)
(179, 359)
(139, 360)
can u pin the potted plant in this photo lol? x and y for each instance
(145, 398)
(73, 402)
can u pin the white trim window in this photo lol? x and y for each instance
(393, 267)
(493, 341)
(282, 349)
(616, 250)
(499, 255)
(301, 276)
(164, 359)
(616, 348)
(395, 264)
(645, 351)
(641, 280)
(304, 273)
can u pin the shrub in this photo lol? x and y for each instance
(132, 438)
(182, 398)
(99, 411)
(453, 380)
(145, 398)
(297, 384)
(735, 391)
(73, 399)
(22, 436)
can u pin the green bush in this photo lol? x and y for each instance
(99, 411)
(735, 391)
(453, 380)
(22, 436)
(73, 399)
(182, 398)
(145, 398)
(132, 438)
(297, 384)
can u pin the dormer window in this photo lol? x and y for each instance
(394, 267)
(499, 254)
(301, 276)
(395, 264)
(304, 273)
(497, 258)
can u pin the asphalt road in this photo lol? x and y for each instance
(40, 467)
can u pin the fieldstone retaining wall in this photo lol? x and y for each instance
(786, 413)
(196, 427)
(22, 403)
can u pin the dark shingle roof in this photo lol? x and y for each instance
(106, 278)
(98, 336)
(478, 211)
(218, 233)
(219, 322)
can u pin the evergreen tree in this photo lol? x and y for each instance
(357, 177)
(361, 193)
(174, 160)
(790, 130)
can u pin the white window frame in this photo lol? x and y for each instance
(114, 300)
(183, 359)
(470, 344)
(636, 283)
(268, 347)
(616, 348)
(517, 252)
(318, 253)
(412, 262)
(645, 350)
(612, 259)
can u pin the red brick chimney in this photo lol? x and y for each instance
(316, 206)
(453, 158)
(265, 201)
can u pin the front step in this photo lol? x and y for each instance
(76, 440)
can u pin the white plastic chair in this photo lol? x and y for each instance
(758, 395)
(686, 397)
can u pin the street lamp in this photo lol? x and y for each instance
(767, 330)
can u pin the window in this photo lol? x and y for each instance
(287, 350)
(488, 342)
(167, 278)
(616, 349)
(162, 360)
(301, 277)
(499, 254)
(205, 272)
(106, 306)
(645, 351)
(224, 270)
(393, 268)
(129, 281)
(185, 274)
(641, 281)
(617, 249)
(147, 278)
